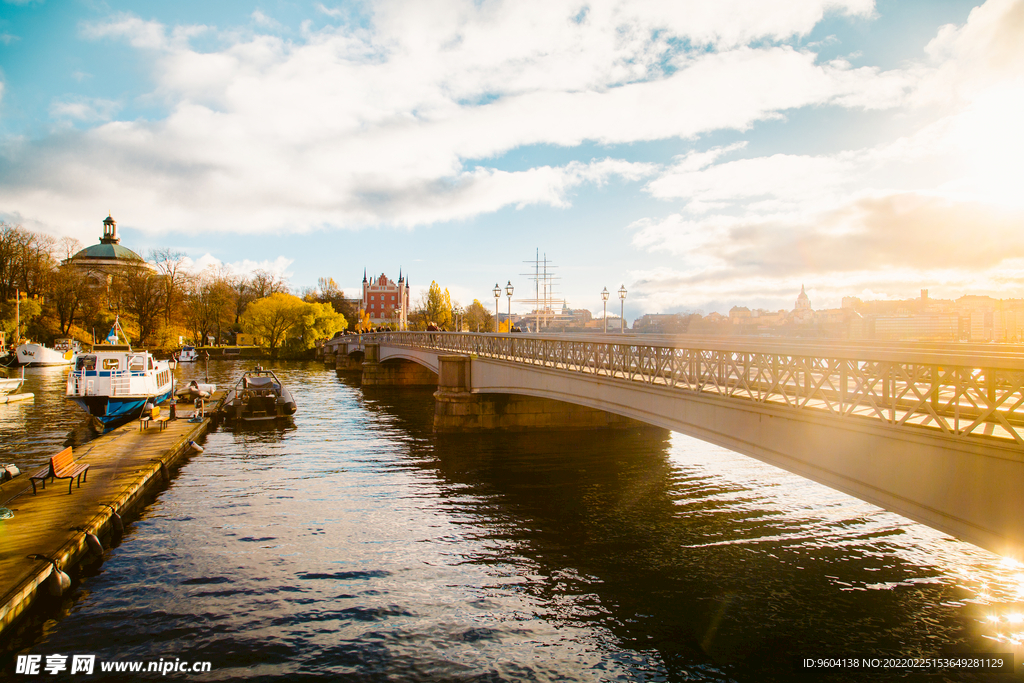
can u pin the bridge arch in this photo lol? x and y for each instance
(876, 424)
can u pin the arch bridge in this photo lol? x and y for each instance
(934, 432)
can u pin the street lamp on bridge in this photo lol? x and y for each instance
(497, 296)
(508, 290)
(604, 297)
(622, 309)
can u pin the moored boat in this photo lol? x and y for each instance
(187, 354)
(258, 395)
(8, 385)
(33, 355)
(113, 383)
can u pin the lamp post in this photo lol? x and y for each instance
(622, 309)
(604, 297)
(497, 296)
(508, 290)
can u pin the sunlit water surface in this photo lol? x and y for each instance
(354, 544)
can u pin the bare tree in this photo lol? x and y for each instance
(140, 293)
(209, 304)
(68, 292)
(171, 267)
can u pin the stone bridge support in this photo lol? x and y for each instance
(349, 362)
(457, 409)
(395, 372)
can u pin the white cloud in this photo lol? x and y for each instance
(261, 19)
(89, 110)
(279, 266)
(404, 121)
(330, 11)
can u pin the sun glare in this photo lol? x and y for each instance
(990, 140)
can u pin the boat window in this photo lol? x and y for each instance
(137, 363)
(150, 363)
(111, 363)
(86, 363)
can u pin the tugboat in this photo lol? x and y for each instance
(258, 395)
(113, 383)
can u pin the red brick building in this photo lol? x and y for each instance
(386, 301)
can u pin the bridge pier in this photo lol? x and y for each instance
(457, 409)
(348, 362)
(393, 373)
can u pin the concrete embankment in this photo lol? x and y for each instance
(124, 465)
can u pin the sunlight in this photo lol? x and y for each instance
(991, 142)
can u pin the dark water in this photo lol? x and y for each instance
(354, 544)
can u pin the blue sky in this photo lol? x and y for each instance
(704, 154)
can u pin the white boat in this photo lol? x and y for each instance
(187, 354)
(12, 384)
(32, 355)
(113, 383)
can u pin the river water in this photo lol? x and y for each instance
(353, 544)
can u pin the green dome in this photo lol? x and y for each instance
(108, 251)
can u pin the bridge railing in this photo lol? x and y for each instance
(958, 390)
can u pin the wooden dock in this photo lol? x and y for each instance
(125, 464)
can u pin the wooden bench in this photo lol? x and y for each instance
(62, 466)
(162, 421)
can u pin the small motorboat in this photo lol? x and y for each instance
(258, 395)
(187, 354)
(9, 385)
(194, 390)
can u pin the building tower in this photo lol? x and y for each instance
(386, 301)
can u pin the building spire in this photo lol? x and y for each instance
(364, 274)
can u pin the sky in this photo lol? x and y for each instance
(702, 154)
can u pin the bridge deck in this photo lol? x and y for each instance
(961, 390)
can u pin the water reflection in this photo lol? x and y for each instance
(711, 558)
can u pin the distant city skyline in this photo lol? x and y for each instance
(705, 155)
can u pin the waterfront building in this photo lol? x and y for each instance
(927, 326)
(385, 301)
(99, 263)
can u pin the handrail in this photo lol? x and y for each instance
(960, 390)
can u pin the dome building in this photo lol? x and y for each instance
(803, 312)
(100, 260)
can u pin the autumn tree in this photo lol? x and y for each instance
(68, 296)
(273, 317)
(258, 285)
(478, 319)
(209, 304)
(328, 292)
(320, 321)
(437, 306)
(11, 313)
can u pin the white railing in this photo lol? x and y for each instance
(960, 390)
(120, 383)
